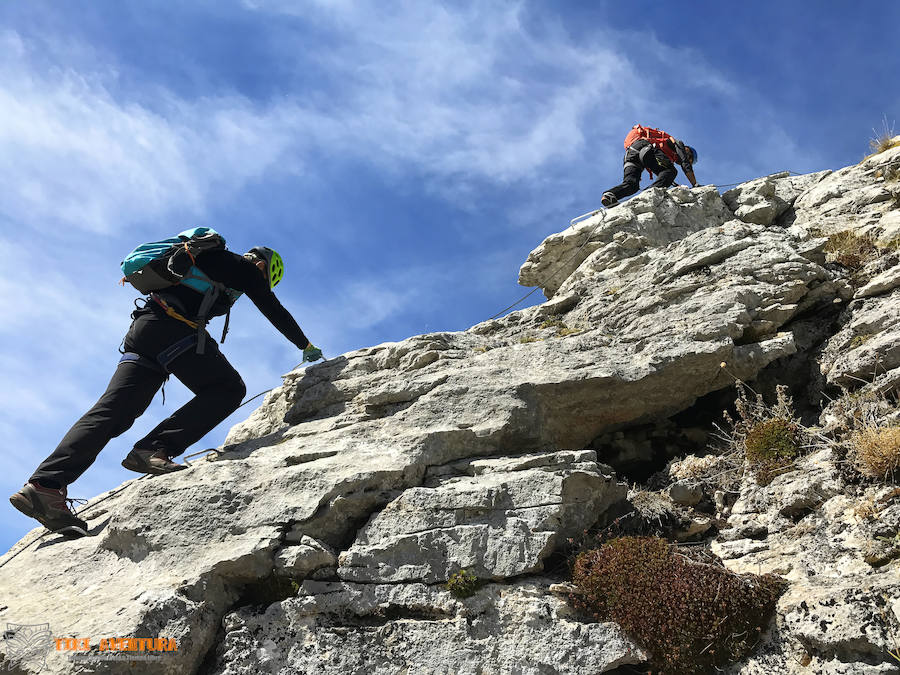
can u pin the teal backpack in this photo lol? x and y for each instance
(168, 262)
(158, 265)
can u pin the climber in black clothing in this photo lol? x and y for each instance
(163, 340)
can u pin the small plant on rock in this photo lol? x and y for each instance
(771, 447)
(552, 323)
(876, 452)
(860, 340)
(851, 250)
(863, 426)
(883, 140)
(770, 436)
(561, 328)
(463, 584)
(691, 615)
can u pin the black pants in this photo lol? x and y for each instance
(217, 386)
(643, 155)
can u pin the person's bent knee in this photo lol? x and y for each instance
(234, 393)
(667, 177)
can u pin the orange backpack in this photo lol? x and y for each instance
(655, 136)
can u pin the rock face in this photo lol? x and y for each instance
(350, 628)
(500, 523)
(840, 609)
(319, 538)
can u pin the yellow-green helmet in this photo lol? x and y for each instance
(274, 263)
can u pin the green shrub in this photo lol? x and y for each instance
(463, 584)
(689, 615)
(772, 446)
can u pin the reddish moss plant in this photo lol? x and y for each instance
(690, 615)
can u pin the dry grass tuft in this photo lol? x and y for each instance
(877, 452)
(884, 139)
(851, 250)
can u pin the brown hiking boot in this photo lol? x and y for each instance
(49, 507)
(151, 461)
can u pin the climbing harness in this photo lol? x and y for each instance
(170, 311)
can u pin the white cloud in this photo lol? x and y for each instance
(468, 95)
(73, 153)
(470, 99)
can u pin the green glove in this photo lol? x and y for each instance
(311, 353)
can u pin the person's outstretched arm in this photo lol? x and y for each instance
(238, 273)
(685, 160)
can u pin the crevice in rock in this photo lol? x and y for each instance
(208, 663)
(638, 452)
(263, 591)
(800, 371)
(382, 410)
(311, 457)
(385, 615)
(627, 669)
(356, 508)
(798, 513)
(850, 652)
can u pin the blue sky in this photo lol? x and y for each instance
(403, 157)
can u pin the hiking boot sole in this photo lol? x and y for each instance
(72, 532)
(139, 466)
(23, 504)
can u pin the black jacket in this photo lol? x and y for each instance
(239, 274)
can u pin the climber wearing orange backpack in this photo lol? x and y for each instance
(657, 152)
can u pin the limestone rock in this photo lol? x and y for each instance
(854, 197)
(301, 560)
(881, 283)
(495, 525)
(651, 219)
(868, 344)
(804, 527)
(756, 201)
(685, 494)
(340, 628)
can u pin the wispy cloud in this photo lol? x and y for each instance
(463, 95)
(73, 154)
